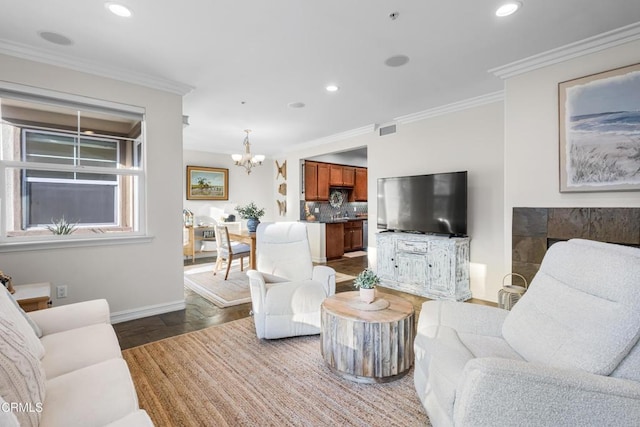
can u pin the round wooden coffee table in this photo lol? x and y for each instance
(367, 343)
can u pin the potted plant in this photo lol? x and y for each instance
(61, 227)
(252, 214)
(366, 281)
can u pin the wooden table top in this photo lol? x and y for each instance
(343, 304)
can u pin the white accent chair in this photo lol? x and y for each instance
(286, 289)
(568, 352)
(228, 251)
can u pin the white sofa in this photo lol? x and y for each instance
(63, 367)
(568, 353)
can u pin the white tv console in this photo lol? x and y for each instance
(431, 266)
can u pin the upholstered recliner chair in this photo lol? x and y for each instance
(567, 353)
(286, 289)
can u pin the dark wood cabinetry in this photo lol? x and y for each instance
(348, 176)
(310, 181)
(334, 240)
(323, 181)
(316, 181)
(342, 176)
(320, 177)
(353, 236)
(360, 187)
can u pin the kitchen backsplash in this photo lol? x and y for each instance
(323, 211)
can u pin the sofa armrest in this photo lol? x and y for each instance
(72, 316)
(463, 317)
(496, 391)
(326, 276)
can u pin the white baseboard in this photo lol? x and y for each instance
(319, 260)
(150, 310)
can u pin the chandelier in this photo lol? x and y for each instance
(247, 160)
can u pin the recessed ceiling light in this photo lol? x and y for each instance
(55, 38)
(118, 9)
(397, 61)
(508, 8)
(332, 88)
(295, 105)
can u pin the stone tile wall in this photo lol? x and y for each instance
(535, 229)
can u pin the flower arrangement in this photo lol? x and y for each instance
(367, 279)
(250, 211)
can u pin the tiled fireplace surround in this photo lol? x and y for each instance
(535, 229)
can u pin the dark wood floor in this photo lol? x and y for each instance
(200, 313)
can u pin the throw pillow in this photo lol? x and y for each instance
(9, 309)
(7, 417)
(28, 318)
(21, 375)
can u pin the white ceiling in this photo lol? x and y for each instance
(271, 53)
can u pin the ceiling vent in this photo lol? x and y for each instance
(387, 130)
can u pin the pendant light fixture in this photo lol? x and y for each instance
(247, 160)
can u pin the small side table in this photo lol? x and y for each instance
(367, 343)
(32, 297)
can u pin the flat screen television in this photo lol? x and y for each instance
(430, 204)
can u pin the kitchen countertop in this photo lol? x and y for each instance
(338, 220)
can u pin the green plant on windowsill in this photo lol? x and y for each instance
(250, 211)
(367, 279)
(61, 227)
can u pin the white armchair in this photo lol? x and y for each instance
(568, 353)
(286, 289)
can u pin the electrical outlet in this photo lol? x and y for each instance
(354, 208)
(317, 210)
(61, 291)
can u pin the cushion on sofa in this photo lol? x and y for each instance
(13, 312)
(7, 417)
(93, 396)
(77, 348)
(21, 376)
(572, 329)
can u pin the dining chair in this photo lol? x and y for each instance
(228, 250)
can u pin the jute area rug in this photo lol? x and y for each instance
(225, 376)
(226, 293)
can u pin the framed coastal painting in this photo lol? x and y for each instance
(600, 131)
(204, 183)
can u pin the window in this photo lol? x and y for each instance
(69, 167)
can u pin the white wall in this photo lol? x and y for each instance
(469, 140)
(531, 137)
(132, 276)
(243, 188)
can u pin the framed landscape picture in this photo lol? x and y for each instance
(204, 183)
(600, 131)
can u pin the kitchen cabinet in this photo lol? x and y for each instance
(341, 176)
(320, 177)
(359, 192)
(435, 267)
(323, 181)
(316, 181)
(334, 235)
(348, 176)
(353, 236)
(310, 181)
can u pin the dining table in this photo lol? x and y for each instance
(248, 237)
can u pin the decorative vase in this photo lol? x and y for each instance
(252, 224)
(367, 295)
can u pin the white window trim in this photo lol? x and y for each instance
(54, 242)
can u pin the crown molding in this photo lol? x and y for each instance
(333, 138)
(589, 45)
(451, 108)
(23, 51)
